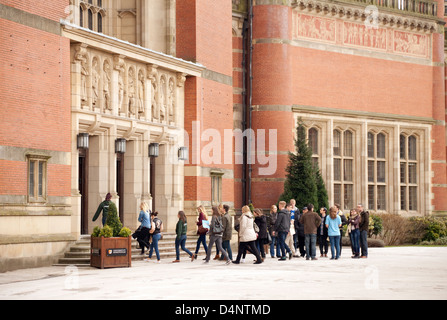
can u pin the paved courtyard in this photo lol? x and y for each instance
(388, 273)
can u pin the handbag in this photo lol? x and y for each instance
(204, 228)
(255, 226)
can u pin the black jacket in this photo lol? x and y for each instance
(262, 225)
(283, 221)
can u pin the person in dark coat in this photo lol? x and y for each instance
(322, 233)
(282, 228)
(104, 207)
(261, 222)
(299, 229)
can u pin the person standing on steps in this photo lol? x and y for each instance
(156, 229)
(104, 207)
(142, 235)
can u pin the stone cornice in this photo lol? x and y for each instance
(118, 46)
(362, 114)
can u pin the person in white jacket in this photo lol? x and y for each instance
(247, 236)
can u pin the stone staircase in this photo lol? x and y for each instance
(79, 253)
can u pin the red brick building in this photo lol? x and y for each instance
(227, 80)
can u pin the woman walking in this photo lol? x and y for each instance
(201, 230)
(333, 224)
(247, 236)
(142, 235)
(261, 222)
(180, 239)
(156, 229)
(216, 232)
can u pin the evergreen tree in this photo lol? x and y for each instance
(321, 190)
(301, 183)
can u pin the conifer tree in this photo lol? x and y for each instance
(321, 190)
(301, 183)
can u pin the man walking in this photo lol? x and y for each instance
(311, 220)
(282, 228)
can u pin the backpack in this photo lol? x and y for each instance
(218, 226)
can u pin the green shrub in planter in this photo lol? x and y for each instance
(96, 231)
(125, 232)
(106, 232)
(113, 221)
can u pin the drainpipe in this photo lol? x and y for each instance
(250, 96)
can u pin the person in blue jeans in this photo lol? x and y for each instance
(354, 232)
(282, 228)
(333, 224)
(180, 239)
(156, 229)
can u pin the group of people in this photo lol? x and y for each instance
(285, 230)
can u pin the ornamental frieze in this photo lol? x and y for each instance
(361, 34)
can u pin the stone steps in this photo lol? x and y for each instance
(79, 253)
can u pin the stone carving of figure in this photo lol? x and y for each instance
(84, 75)
(140, 100)
(95, 83)
(154, 100)
(162, 104)
(120, 90)
(171, 99)
(131, 91)
(106, 87)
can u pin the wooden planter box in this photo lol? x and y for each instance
(111, 252)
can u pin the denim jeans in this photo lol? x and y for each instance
(335, 246)
(274, 244)
(181, 242)
(310, 241)
(364, 242)
(201, 240)
(218, 241)
(154, 245)
(226, 245)
(355, 238)
(282, 243)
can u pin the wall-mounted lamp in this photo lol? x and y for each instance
(82, 140)
(120, 145)
(183, 153)
(154, 150)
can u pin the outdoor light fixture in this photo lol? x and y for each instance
(153, 150)
(83, 140)
(120, 145)
(183, 153)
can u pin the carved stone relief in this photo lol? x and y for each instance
(112, 84)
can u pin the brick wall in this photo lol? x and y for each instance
(204, 36)
(34, 97)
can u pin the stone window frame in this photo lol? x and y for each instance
(95, 11)
(37, 178)
(342, 181)
(380, 198)
(409, 202)
(216, 187)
